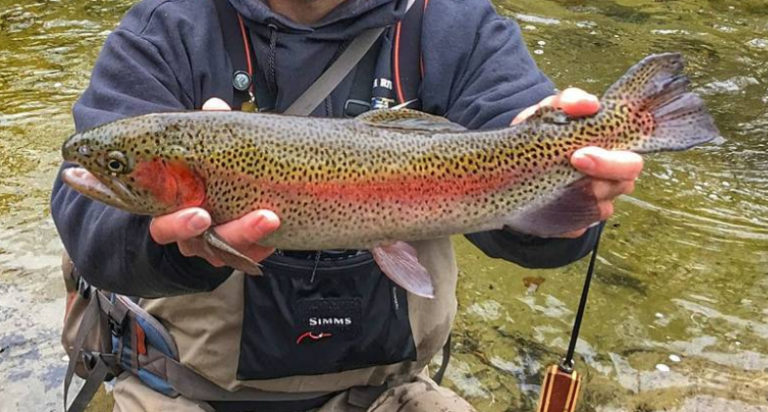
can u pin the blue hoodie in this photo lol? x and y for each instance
(168, 55)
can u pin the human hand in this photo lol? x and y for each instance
(613, 172)
(185, 227)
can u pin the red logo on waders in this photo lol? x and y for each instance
(312, 336)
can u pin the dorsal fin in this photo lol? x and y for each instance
(409, 120)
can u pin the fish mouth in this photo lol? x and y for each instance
(112, 192)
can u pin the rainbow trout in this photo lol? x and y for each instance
(387, 176)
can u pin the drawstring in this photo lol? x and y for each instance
(272, 82)
(314, 268)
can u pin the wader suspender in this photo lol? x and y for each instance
(100, 364)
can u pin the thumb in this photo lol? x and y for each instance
(576, 102)
(216, 104)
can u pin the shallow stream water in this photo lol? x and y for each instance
(677, 318)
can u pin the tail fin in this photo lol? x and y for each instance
(657, 86)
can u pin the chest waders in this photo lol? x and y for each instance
(106, 334)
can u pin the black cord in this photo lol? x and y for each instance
(567, 365)
(443, 363)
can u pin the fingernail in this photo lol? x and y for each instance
(583, 161)
(257, 221)
(198, 222)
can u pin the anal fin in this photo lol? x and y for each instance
(399, 262)
(574, 207)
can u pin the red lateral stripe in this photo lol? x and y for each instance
(398, 85)
(406, 189)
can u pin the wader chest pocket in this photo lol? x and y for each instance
(347, 316)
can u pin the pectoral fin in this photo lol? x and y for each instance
(248, 265)
(399, 262)
(574, 207)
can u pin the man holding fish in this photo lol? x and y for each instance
(325, 326)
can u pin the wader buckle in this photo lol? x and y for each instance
(83, 288)
(115, 327)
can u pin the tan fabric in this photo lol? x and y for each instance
(421, 395)
(207, 328)
(132, 396)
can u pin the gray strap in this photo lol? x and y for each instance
(365, 396)
(90, 317)
(92, 384)
(327, 82)
(444, 362)
(191, 385)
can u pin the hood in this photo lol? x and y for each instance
(344, 22)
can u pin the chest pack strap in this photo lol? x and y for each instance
(100, 364)
(327, 82)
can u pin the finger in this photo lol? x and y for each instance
(606, 209)
(607, 164)
(527, 112)
(258, 253)
(574, 234)
(611, 189)
(249, 229)
(214, 103)
(576, 102)
(180, 225)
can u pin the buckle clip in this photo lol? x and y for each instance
(115, 327)
(83, 288)
(354, 107)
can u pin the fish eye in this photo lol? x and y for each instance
(117, 162)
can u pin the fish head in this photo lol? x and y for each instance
(140, 167)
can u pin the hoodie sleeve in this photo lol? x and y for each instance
(491, 77)
(111, 248)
